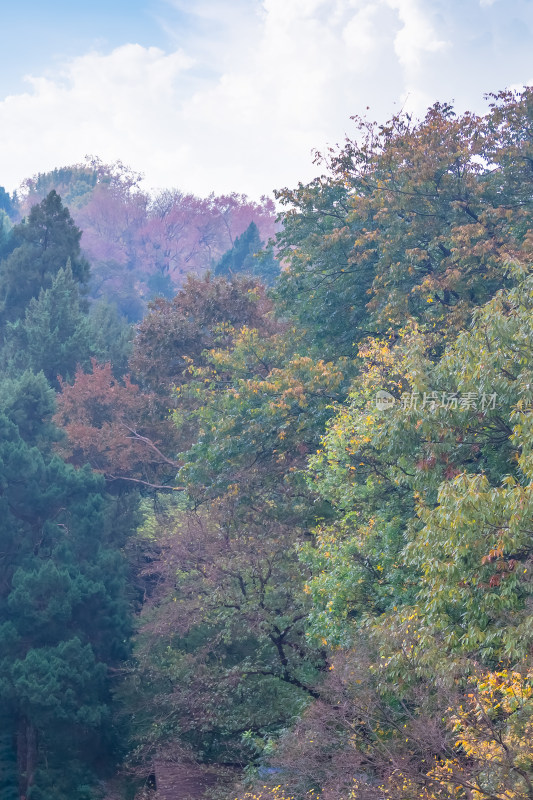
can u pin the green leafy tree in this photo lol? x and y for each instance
(426, 572)
(176, 331)
(461, 461)
(415, 248)
(412, 220)
(261, 408)
(74, 184)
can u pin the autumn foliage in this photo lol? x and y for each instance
(108, 425)
(333, 478)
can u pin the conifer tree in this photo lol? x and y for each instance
(55, 333)
(63, 616)
(111, 336)
(5, 233)
(246, 257)
(8, 760)
(45, 241)
(6, 202)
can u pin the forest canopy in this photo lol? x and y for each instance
(280, 528)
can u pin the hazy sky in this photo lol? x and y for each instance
(233, 95)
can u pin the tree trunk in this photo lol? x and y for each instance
(26, 756)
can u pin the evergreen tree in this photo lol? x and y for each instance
(246, 257)
(160, 285)
(55, 334)
(63, 617)
(5, 234)
(6, 202)
(44, 242)
(111, 336)
(8, 760)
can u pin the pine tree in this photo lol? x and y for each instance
(246, 256)
(45, 241)
(5, 234)
(55, 334)
(63, 616)
(111, 336)
(6, 202)
(8, 759)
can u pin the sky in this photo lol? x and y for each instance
(236, 95)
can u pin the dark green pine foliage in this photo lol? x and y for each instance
(6, 202)
(63, 615)
(55, 334)
(43, 243)
(5, 234)
(111, 336)
(161, 285)
(8, 759)
(247, 256)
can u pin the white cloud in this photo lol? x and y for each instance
(253, 86)
(416, 36)
(116, 104)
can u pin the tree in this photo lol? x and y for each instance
(261, 407)
(55, 334)
(63, 614)
(427, 568)
(176, 331)
(45, 242)
(413, 220)
(222, 646)
(246, 257)
(111, 336)
(6, 202)
(456, 464)
(110, 425)
(73, 183)
(5, 234)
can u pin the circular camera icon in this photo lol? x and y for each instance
(384, 400)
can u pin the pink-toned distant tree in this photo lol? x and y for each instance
(139, 245)
(236, 211)
(176, 235)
